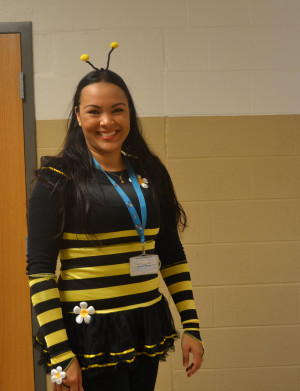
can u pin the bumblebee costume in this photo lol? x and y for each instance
(96, 310)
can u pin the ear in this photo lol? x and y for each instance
(77, 115)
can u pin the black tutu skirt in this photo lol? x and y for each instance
(118, 337)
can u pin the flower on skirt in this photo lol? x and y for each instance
(57, 375)
(84, 312)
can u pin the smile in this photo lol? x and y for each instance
(108, 134)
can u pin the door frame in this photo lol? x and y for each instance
(29, 126)
(25, 31)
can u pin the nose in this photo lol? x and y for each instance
(106, 120)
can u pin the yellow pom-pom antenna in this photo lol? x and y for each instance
(114, 45)
(85, 57)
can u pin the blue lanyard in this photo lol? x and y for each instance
(139, 226)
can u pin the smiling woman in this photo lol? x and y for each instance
(106, 205)
(103, 114)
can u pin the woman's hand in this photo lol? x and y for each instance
(73, 380)
(191, 345)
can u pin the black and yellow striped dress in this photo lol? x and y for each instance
(130, 317)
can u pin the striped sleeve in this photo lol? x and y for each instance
(44, 224)
(46, 302)
(178, 280)
(176, 274)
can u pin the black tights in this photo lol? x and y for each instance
(141, 375)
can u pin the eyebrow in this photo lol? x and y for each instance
(99, 107)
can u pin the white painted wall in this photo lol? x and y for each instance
(179, 57)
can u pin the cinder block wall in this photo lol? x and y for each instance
(217, 86)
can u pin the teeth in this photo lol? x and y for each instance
(108, 134)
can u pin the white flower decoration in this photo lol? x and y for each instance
(84, 313)
(142, 181)
(57, 375)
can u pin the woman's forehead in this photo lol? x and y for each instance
(103, 92)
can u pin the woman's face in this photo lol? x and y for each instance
(104, 115)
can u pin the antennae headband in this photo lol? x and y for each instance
(85, 57)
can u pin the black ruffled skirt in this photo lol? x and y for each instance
(118, 337)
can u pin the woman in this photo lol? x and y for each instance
(107, 207)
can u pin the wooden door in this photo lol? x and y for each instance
(16, 356)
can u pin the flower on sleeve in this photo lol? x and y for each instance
(57, 375)
(84, 312)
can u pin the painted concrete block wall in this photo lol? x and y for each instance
(217, 84)
(237, 180)
(240, 190)
(180, 57)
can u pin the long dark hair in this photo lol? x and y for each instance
(78, 163)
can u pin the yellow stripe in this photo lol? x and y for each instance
(176, 269)
(101, 354)
(115, 363)
(180, 286)
(162, 342)
(40, 275)
(38, 280)
(90, 355)
(185, 305)
(191, 321)
(54, 169)
(129, 350)
(110, 364)
(191, 329)
(125, 352)
(62, 357)
(49, 316)
(96, 272)
(72, 253)
(109, 292)
(56, 337)
(130, 307)
(150, 354)
(44, 296)
(128, 361)
(108, 235)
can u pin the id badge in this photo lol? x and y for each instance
(144, 264)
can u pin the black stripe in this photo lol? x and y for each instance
(177, 278)
(181, 262)
(53, 326)
(59, 348)
(188, 314)
(47, 305)
(183, 295)
(191, 325)
(43, 285)
(102, 282)
(93, 242)
(99, 260)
